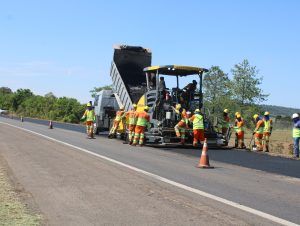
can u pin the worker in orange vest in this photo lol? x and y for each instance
(90, 118)
(258, 132)
(181, 126)
(143, 121)
(198, 127)
(239, 129)
(132, 118)
(267, 130)
(120, 115)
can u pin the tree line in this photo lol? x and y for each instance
(24, 102)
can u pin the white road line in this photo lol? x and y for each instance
(182, 186)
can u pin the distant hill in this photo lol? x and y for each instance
(278, 110)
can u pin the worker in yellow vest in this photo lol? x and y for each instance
(198, 127)
(120, 115)
(143, 121)
(267, 130)
(90, 118)
(181, 126)
(258, 132)
(132, 119)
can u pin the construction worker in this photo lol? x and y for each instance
(131, 115)
(198, 127)
(120, 115)
(143, 121)
(296, 134)
(258, 132)
(181, 126)
(181, 112)
(90, 118)
(239, 130)
(225, 122)
(267, 131)
(236, 142)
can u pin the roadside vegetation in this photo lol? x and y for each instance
(12, 210)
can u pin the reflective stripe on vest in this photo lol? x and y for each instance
(198, 122)
(296, 132)
(260, 129)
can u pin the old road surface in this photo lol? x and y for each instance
(77, 181)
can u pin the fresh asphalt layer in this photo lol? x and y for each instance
(273, 187)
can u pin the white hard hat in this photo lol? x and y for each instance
(295, 115)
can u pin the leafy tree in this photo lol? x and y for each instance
(245, 84)
(98, 89)
(19, 96)
(216, 86)
(5, 91)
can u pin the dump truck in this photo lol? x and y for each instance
(136, 81)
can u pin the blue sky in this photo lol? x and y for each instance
(65, 47)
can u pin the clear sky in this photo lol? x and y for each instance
(65, 47)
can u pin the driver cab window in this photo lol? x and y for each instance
(152, 80)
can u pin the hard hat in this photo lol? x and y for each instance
(197, 110)
(188, 113)
(255, 116)
(236, 113)
(295, 115)
(88, 104)
(121, 107)
(267, 113)
(178, 106)
(146, 108)
(226, 110)
(134, 106)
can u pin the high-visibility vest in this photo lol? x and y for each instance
(240, 126)
(90, 115)
(183, 123)
(268, 125)
(142, 119)
(132, 117)
(198, 122)
(259, 127)
(119, 115)
(296, 132)
(225, 122)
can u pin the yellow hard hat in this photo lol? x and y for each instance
(255, 116)
(226, 110)
(267, 113)
(236, 113)
(134, 106)
(178, 106)
(197, 110)
(146, 108)
(88, 104)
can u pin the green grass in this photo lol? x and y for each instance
(12, 211)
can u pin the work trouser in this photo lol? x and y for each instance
(130, 132)
(258, 141)
(198, 136)
(240, 138)
(180, 132)
(266, 141)
(139, 135)
(90, 128)
(114, 127)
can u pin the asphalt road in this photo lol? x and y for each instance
(265, 183)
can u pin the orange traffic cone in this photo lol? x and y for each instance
(204, 159)
(50, 124)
